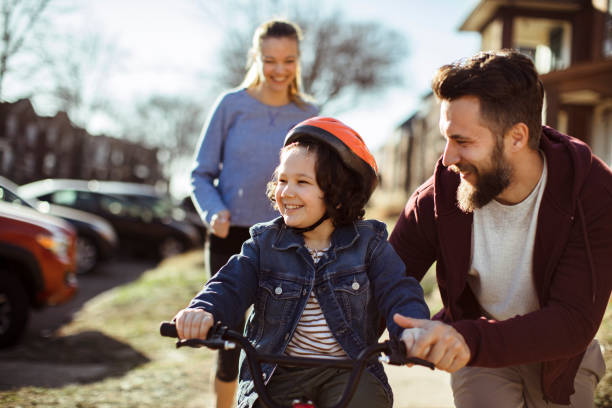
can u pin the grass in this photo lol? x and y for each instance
(157, 374)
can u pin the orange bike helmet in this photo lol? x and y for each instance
(345, 141)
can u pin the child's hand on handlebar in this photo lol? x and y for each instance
(193, 323)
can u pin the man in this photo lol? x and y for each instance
(518, 218)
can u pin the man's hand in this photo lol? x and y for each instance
(434, 341)
(220, 223)
(193, 323)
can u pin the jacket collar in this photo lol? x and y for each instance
(342, 237)
(568, 161)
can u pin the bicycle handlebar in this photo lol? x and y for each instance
(220, 337)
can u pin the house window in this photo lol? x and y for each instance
(528, 51)
(607, 42)
(556, 47)
(607, 143)
(548, 42)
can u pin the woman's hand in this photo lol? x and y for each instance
(220, 223)
(193, 323)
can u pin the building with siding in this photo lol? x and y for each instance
(33, 147)
(570, 42)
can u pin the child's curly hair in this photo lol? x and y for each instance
(345, 192)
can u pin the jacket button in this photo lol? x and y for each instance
(355, 285)
(278, 290)
(264, 375)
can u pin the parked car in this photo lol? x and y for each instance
(192, 215)
(152, 197)
(96, 238)
(144, 226)
(37, 266)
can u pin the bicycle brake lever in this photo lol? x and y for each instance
(213, 341)
(397, 355)
(214, 344)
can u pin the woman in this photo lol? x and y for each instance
(238, 152)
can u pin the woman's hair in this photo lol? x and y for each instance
(345, 192)
(506, 84)
(275, 29)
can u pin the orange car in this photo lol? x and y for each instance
(37, 266)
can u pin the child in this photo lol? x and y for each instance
(320, 278)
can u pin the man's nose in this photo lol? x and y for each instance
(450, 156)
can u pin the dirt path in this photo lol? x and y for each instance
(420, 387)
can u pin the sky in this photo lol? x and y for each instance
(170, 46)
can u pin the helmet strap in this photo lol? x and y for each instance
(313, 226)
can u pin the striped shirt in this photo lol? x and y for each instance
(312, 336)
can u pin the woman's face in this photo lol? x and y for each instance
(278, 63)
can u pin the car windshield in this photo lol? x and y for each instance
(160, 206)
(8, 196)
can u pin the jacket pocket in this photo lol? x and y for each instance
(278, 300)
(353, 293)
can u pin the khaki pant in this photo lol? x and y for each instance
(519, 386)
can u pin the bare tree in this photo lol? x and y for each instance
(170, 123)
(18, 17)
(341, 60)
(76, 73)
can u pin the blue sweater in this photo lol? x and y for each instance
(240, 147)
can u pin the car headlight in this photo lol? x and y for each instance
(58, 243)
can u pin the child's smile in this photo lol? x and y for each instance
(298, 196)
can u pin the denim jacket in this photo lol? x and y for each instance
(357, 282)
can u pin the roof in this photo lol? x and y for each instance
(41, 187)
(485, 10)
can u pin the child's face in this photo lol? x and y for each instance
(298, 196)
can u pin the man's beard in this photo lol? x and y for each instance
(489, 184)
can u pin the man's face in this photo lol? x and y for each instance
(474, 152)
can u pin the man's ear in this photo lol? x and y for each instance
(518, 136)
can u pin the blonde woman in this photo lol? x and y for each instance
(237, 154)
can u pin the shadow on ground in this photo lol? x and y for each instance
(54, 362)
(46, 359)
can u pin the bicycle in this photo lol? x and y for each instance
(220, 337)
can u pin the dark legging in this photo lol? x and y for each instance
(219, 252)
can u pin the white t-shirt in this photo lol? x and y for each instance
(502, 252)
(312, 336)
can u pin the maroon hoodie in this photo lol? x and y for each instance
(572, 264)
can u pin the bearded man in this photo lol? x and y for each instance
(518, 218)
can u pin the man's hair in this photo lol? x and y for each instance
(345, 192)
(506, 84)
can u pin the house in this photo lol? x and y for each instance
(34, 147)
(570, 42)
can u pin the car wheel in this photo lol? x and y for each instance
(86, 254)
(14, 309)
(170, 246)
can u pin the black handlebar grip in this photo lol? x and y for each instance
(168, 329)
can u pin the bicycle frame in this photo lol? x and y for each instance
(220, 337)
